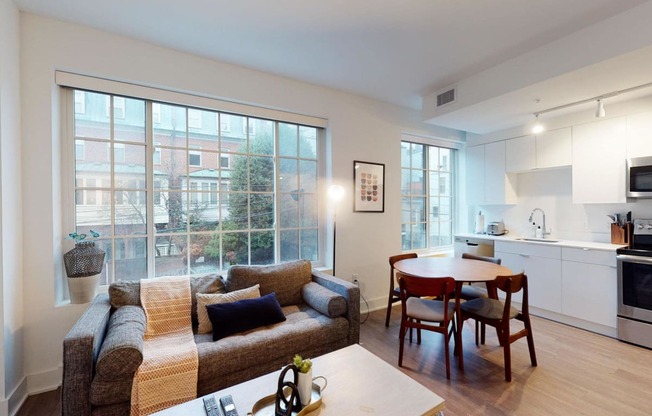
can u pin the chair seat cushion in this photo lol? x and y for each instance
(428, 310)
(488, 308)
(469, 292)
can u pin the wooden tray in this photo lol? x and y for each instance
(265, 406)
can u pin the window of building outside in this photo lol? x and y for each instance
(427, 197)
(225, 123)
(165, 204)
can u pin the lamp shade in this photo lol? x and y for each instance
(335, 193)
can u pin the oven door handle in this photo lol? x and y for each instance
(634, 259)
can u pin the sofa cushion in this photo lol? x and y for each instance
(128, 293)
(122, 350)
(205, 299)
(324, 300)
(304, 329)
(284, 279)
(234, 317)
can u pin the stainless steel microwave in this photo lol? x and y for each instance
(639, 177)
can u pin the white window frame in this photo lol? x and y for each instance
(195, 153)
(69, 218)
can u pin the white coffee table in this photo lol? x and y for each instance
(359, 383)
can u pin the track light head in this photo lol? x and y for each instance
(599, 112)
(537, 127)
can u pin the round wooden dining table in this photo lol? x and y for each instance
(462, 270)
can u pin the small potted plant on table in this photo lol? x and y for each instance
(83, 266)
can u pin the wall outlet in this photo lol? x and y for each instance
(355, 282)
(354, 279)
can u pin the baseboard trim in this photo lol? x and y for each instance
(16, 398)
(45, 381)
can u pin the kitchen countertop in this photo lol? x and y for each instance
(560, 243)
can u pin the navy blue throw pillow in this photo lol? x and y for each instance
(243, 315)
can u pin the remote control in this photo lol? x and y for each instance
(211, 406)
(228, 406)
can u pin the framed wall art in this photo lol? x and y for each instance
(369, 185)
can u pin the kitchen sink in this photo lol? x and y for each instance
(537, 240)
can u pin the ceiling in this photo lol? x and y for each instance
(393, 51)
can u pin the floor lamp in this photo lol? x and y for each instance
(335, 194)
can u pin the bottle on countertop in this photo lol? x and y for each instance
(539, 233)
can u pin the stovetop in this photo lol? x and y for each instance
(641, 244)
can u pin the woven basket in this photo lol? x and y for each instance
(84, 260)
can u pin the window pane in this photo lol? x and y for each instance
(418, 156)
(308, 142)
(235, 140)
(406, 210)
(417, 183)
(308, 176)
(240, 174)
(433, 158)
(263, 143)
(169, 259)
(261, 174)
(94, 123)
(289, 245)
(405, 181)
(130, 127)
(418, 209)
(418, 236)
(105, 244)
(131, 172)
(289, 207)
(173, 169)
(262, 210)
(287, 138)
(130, 258)
(130, 216)
(236, 210)
(235, 248)
(198, 255)
(445, 160)
(262, 247)
(308, 207)
(309, 244)
(172, 129)
(405, 154)
(288, 169)
(406, 237)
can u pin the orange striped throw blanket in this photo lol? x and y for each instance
(168, 373)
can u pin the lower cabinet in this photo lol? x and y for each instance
(589, 286)
(573, 282)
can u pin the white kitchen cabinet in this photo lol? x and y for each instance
(487, 182)
(475, 175)
(639, 135)
(520, 154)
(599, 153)
(541, 264)
(589, 285)
(554, 148)
(550, 149)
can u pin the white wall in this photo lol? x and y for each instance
(359, 129)
(551, 190)
(11, 274)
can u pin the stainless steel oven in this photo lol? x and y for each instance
(635, 287)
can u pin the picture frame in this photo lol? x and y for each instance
(369, 186)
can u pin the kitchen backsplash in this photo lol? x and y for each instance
(550, 190)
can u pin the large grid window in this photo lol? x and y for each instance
(173, 196)
(426, 196)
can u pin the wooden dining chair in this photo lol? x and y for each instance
(394, 293)
(499, 313)
(427, 314)
(470, 292)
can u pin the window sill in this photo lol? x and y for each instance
(449, 252)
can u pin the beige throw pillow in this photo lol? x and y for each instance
(204, 299)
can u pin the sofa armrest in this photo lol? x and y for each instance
(80, 350)
(351, 293)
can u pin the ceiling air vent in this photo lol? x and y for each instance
(446, 97)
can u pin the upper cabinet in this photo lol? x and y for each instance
(639, 135)
(550, 149)
(487, 182)
(599, 152)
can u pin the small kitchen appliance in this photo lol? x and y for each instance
(634, 318)
(639, 177)
(496, 228)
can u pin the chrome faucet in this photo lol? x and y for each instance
(544, 231)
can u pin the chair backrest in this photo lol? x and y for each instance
(425, 286)
(512, 284)
(481, 258)
(393, 260)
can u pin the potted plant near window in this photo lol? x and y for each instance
(83, 266)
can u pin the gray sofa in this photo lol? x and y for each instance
(104, 348)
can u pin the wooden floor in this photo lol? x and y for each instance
(579, 373)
